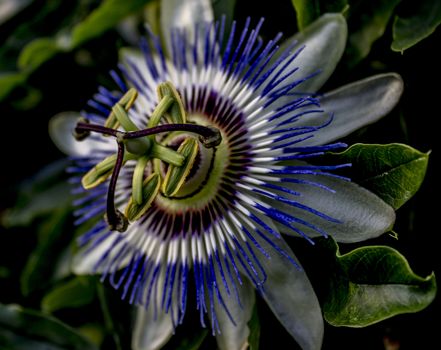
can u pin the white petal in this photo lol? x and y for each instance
(235, 337)
(324, 40)
(151, 333)
(83, 263)
(291, 297)
(354, 106)
(184, 14)
(362, 214)
(61, 127)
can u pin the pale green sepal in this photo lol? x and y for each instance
(176, 176)
(291, 297)
(61, 129)
(150, 190)
(234, 336)
(184, 14)
(353, 106)
(324, 41)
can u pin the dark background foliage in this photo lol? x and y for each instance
(69, 79)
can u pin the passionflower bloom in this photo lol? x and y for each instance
(196, 166)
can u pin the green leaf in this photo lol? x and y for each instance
(367, 23)
(407, 31)
(394, 172)
(77, 292)
(28, 329)
(36, 53)
(254, 326)
(309, 10)
(370, 284)
(106, 16)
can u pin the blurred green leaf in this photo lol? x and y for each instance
(194, 342)
(306, 11)
(22, 329)
(407, 31)
(79, 291)
(42, 262)
(9, 81)
(367, 23)
(36, 53)
(41, 203)
(40, 195)
(394, 172)
(309, 10)
(254, 325)
(371, 284)
(224, 8)
(95, 332)
(106, 16)
(110, 322)
(40, 50)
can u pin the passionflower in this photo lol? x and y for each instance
(194, 168)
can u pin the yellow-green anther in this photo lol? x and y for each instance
(100, 172)
(126, 101)
(123, 118)
(150, 190)
(176, 175)
(162, 107)
(176, 112)
(167, 155)
(138, 176)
